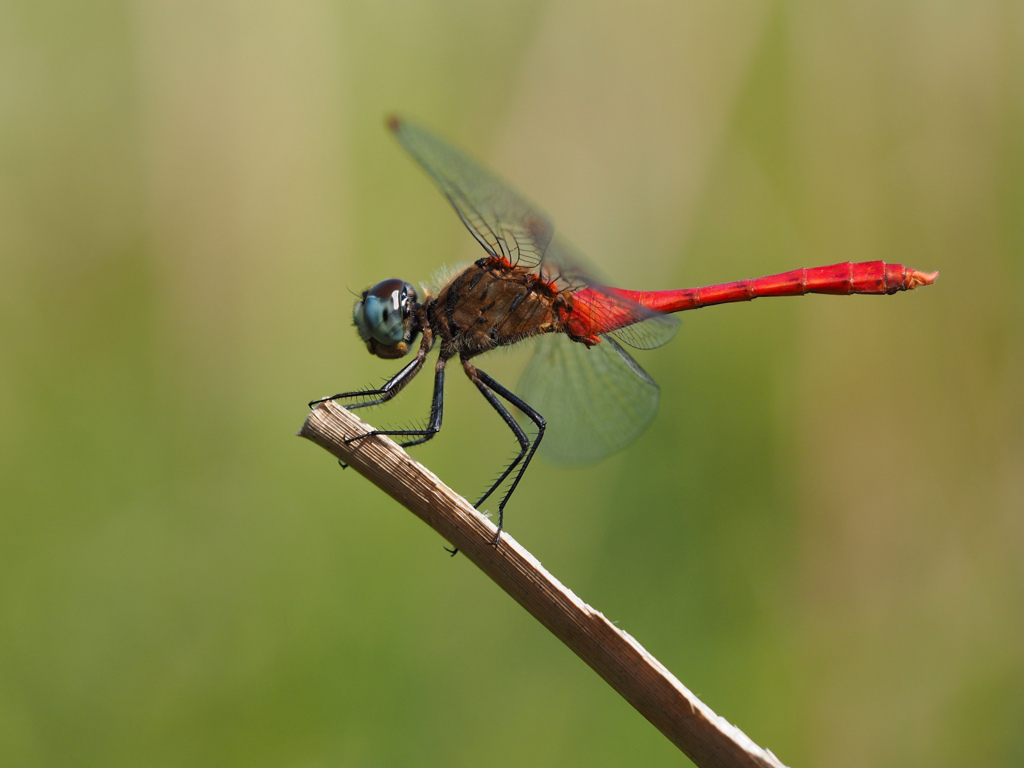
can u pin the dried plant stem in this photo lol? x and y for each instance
(707, 739)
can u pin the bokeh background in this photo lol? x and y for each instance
(822, 534)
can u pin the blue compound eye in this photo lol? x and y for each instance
(382, 315)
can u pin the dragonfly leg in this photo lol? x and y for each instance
(433, 425)
(391, 387)
(491, 390)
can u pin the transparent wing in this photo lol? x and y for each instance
(650, 333)
(635, 325)
(596, 400)
(504, 222)
(508, 225)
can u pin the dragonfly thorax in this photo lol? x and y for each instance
(384, 318)
(491, 304)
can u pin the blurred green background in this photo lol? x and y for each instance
(822, 534)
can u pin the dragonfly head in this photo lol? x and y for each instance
(384, 318)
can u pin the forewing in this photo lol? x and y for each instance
(508, 225)
(596, 400)
(504, 222)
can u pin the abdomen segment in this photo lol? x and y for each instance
(595, 311)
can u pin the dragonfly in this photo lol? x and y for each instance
(532, 285)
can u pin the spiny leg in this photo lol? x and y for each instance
(379, 396)
(433, 425)
(490, 389)
(392, 386)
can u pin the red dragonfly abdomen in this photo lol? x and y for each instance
(593, 313)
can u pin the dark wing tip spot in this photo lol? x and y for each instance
(394, 122)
